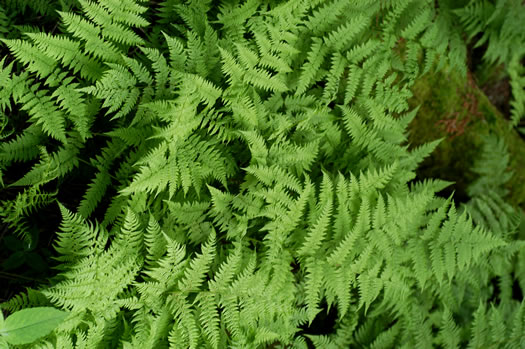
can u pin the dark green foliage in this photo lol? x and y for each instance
(499, 26)
(227, 172)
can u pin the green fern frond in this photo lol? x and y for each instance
(323, 18)
(340, 38)
(194, 275)
(352, 83)
(90, 34)
(118, 88)
(209, 317)
(24, 147)
(71, 244)
(309, 70)
(67, 51)
(28, 54)
(51, 166)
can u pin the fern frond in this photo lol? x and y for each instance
(209, 317)
(321, 216)
(24, 147)
(108, 16)
(313, 283)
(36, 61)
(51, 166)
(479, 332)
(260, 78)
(338, 65)
(194, 275)
(323, 18)
(90, 33)
(352, 83)
(67, 51)
(449, 333)
(44, 112)
(339, 39)
(15, 212)
(118, 88)
(76, 238)
(309, 70)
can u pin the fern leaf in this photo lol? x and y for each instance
(318, 231)
(449, 332)
(352, 83)
(67, 51)
(153, 241)
(315, 59)
(95, 45)
(94, 194)
(338, 64)
(313, 282)
(72, 101)
(418, 24)
(36, 61)
(339, 39)
(24, 147)
(209, 317)
(118, 89)
(262, 79)
(194, 275)
(43, 111)
(321, 19)
(479, 336)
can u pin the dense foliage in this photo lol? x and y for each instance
(236, 174)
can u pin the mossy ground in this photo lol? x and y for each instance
(455, 108)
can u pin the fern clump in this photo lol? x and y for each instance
(243, 168)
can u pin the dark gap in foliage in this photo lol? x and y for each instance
(16, 265)
(428, 170)
(499, 93)
(76, 183)
(248, 35)
(475, 54)
(17, 170)
(16, 118)
(296, 267)
(492, 79)
(460, 196)
(323, 323)
(517, 292)
(44, 22)
(320, 85)
(103, 205)
(23, 265)
(496, 291)
(46, 225)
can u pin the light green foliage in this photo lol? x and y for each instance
(27, 325)
(243, 167)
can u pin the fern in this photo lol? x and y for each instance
(14, 213)
(118, 88)
(500, 25)
(241, 168)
